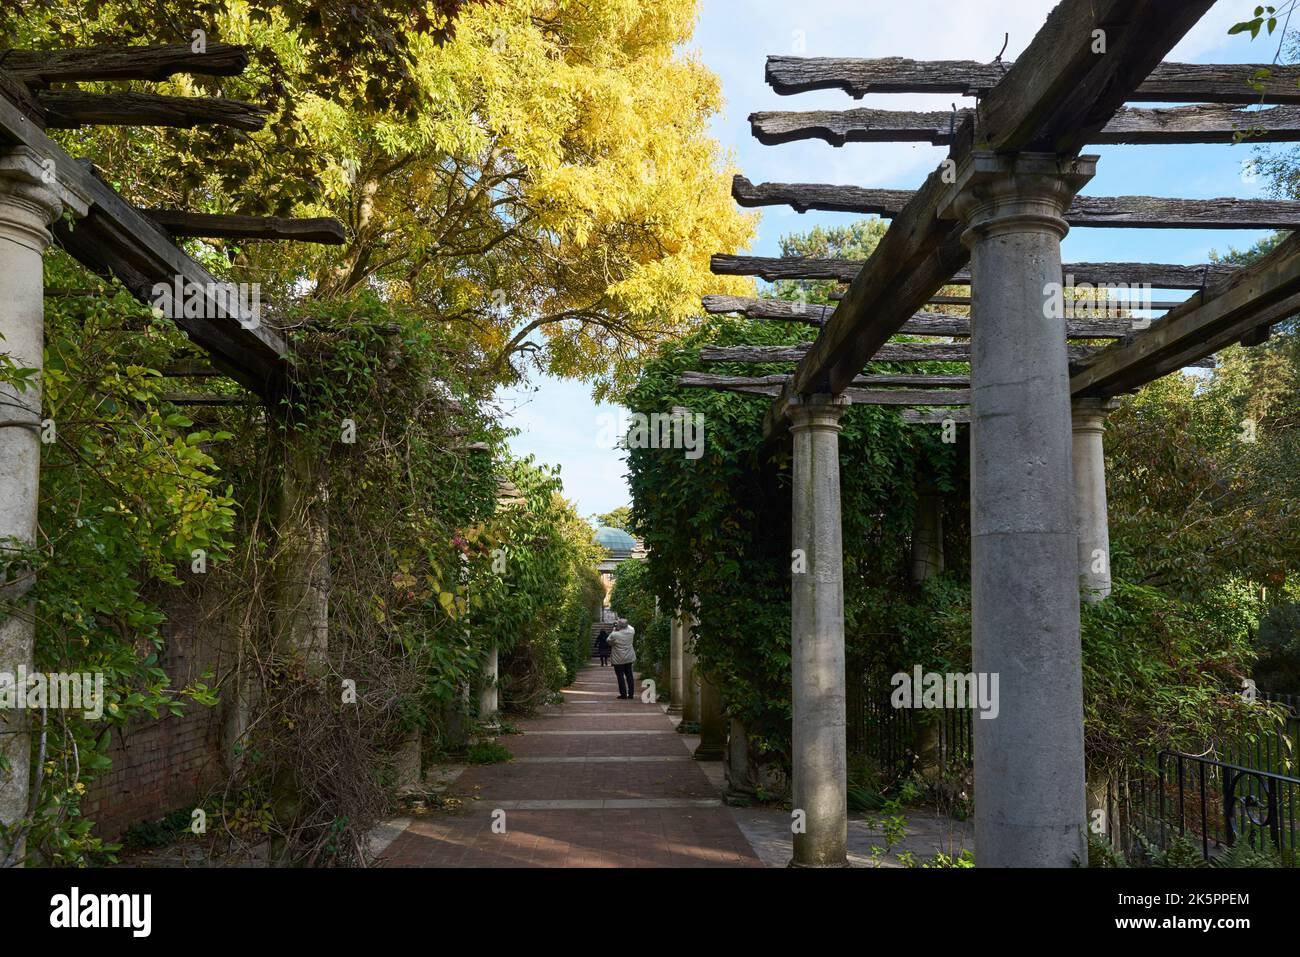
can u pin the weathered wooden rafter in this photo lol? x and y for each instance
(888, 352)
(224, 226)
(206, 398)
(708, 380)
(935, 416)
(921, 324)
(116, 239)
(1264, 293)
(1175, 125)
(1132, 212)
(1054, 98)
(1156, 275)
(71, 109)
(1240, 83)
(119, 62)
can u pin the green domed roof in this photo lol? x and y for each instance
(617, 542)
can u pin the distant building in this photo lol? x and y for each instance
(619, 547)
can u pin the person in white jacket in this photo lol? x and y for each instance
(623, 655)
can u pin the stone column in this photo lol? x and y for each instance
(302, 583)
(927, 536)
(675, 662)
(1093, 527)
(31, 198)
(820, 749)
(690, 687)
(1029, 769)
(1091, 523)
(740, 774)
(487, 696)
(713, 725)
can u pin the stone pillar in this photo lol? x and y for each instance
(1029, 766)
(690, 687)
(31, 198)
(1091, 523)
(820, 786)
(740, 774)
(407, 769)
(302, 584)
(675, 663)
(487, 697)
(927, 536)
(713, 724)
(1093, 528)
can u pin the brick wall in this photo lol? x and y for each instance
(169, 763)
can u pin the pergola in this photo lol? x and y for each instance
(47, 195)
(992, 216)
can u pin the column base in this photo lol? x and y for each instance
(709, 754)
(819, 867)
(673, 709)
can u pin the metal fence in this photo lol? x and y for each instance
(902, 739)
(1245, 789)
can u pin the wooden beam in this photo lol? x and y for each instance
(1156, 275)
(1053, 98)
(935, 416)
(115, 239)
(207, 398)
(1264, 293)
(120, 62)
(889, 352)
(68, 110)
(921, 324)
(1168, 83)
(708, 380)
(180, 222)
(1130, 212)
(1170, 126)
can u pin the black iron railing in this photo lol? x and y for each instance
(899, 739)
(1214, 804)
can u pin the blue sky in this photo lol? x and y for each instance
(559, 421)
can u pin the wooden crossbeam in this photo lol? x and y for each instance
(921, 324)
(181, 222)
(1261, 294)
(1156, 275)
(1177, 125)
(119, 62)
(1080, 306)
(207, 399)
(708, 380)
(855, 395)
(1239, 83)
(1130, 212)
(116, 239)
(935, 416)
(71, 109)
(889, 352)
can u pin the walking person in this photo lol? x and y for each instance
(623, 655)
(602, 647)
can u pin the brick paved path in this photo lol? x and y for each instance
(596, 782)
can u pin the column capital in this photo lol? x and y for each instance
(1089, 414)
(32, 197)
(1022, 192)
(820, 412)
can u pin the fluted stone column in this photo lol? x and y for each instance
(675, 664)
(1029, 766)
(819, 760)
(1088, 420)
(927, 536)
(487, 696)
(31, 198)
(713, 724)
